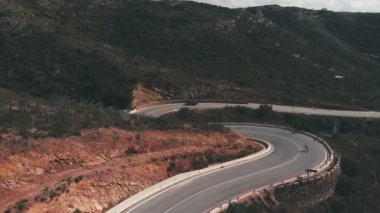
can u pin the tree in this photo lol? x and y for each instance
(264, 111)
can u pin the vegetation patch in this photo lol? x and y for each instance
(357, 140)
(188, 50)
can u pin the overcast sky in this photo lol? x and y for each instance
(336, 5)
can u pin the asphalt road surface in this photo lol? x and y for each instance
(158, 110)
(286, 161)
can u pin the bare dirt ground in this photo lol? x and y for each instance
(101, 167)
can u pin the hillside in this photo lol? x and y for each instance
(100, 167)
(99, 50)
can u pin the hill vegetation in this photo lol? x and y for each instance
(68, 65)
(357, 140)
(99, 50)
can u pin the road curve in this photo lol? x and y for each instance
(158, 110)
(202, 192)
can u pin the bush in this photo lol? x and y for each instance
(185, 114)
(21, 205)
(77, 211)
(132, 150)
(53, 194)
(350, 167)
(264, 111)
(78, 179)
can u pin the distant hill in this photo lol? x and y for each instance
(100, 49)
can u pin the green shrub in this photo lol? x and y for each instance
(22, 205)
(78, 179)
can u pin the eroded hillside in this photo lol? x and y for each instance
(101, 167)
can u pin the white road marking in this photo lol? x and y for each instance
(189, 181)
(242, 177)
(161, 110)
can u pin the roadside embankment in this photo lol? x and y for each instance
(100, 167)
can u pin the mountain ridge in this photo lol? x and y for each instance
(100, 51)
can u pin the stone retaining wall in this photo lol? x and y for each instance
(311, 191)
(303, 191)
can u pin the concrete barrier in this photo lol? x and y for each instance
(181, 178)
(174, 181)
(283, 184)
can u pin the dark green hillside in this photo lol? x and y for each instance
(98, 50)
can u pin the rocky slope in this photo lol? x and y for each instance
(101, 167)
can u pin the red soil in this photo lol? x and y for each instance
(101, 167)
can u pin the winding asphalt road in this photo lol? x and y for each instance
(158, 110)
(285, 162)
